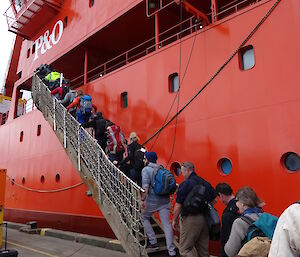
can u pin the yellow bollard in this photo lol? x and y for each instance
(2, 197)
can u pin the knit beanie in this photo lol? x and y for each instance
(151, 157)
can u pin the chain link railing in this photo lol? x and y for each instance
(114, 186)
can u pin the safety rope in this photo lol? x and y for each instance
(217, 73)
(44, 191)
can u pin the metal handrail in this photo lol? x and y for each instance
(115, 187)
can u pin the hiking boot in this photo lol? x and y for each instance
(153, 246)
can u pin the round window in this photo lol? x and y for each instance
(175, 168)
(224, 166)
(291, 161)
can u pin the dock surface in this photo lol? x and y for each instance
(32, 245)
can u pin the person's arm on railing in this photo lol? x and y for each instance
(56, 91)
(75, 103)
(90, 124)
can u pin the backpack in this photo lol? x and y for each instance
(43, 70)
(164, 182)
(213, 222)
(263, 227)
(256, 247)
(138, 158)
(196, 200)
(86, 105)
(115, 139)
(65, 90)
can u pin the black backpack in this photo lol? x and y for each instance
(43, 70)
(138, 158)
(214, 223)
(196, 200)
(65, 90)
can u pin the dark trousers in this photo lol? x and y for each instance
(115, 156)
(102, 142)
(135, 176)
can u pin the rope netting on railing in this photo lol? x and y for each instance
(114, 186)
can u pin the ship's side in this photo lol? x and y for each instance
(246, 116)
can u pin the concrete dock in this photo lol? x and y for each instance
(34, 245)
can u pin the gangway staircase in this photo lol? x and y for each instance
(118, 198)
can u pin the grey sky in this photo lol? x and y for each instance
(6, 43)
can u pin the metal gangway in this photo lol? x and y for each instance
(118, 197)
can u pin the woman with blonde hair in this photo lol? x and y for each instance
(135, 157)
(249, 206)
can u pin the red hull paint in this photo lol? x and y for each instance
(96, 226)
(250, 117)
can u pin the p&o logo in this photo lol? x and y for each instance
(46, 41)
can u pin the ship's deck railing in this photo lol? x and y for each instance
(165, 38)
(121, 192)
(233, 7)
(14, 13)
(168, 36)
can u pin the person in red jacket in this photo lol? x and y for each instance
(62, 90)
(83, 113)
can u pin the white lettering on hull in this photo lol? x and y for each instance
(45, 43)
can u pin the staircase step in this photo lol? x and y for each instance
(160, 250)
(159, 237)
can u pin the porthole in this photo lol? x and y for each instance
(21, 136)
(291, 161)
(28, 52)
(124, 100)
(66, 21)
(224, 166)
(42, 179)
(23, 180)
(33, 49)
(91, 3)
(246, 57)
(57, 177)
(39, 128)
(173, 83)
(175, 168)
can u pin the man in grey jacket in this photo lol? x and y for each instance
(152, 202)
(69, 98)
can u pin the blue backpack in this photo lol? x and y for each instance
(86, 105)
(164, 182)
(263, 227)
